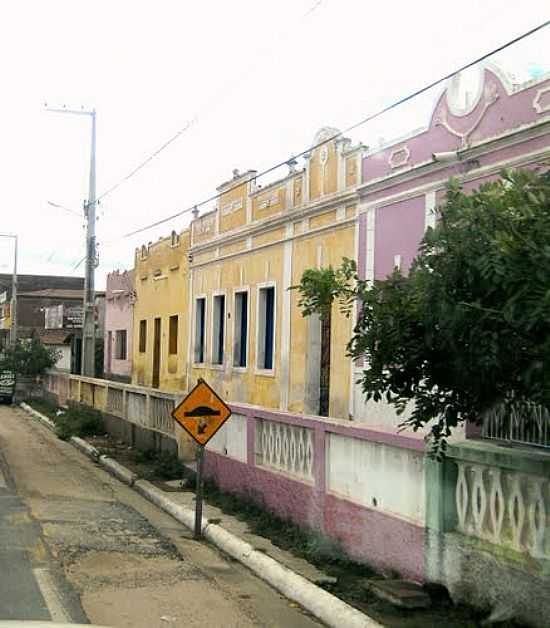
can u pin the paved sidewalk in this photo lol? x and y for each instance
(241, 529)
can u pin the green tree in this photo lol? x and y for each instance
(29, 358)
(319, 288)
(468, 329)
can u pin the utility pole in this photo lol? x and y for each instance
(88, 326)
(13, 309)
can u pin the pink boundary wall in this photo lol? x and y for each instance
(368, 535)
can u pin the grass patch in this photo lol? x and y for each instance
(76, 420)
(321, 551)
(46, 407)
(159, 466)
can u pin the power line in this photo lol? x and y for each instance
(67, 209)
(181, 131)
(361, 122)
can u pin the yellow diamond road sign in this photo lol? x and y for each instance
(201, 413)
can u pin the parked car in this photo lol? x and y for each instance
(7, 385)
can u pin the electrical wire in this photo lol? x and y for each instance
(71, 211)
(354, 126)
(183, 130)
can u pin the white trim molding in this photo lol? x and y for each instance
(286, 330)
(429, 214)
(399, 157)
(537, 106)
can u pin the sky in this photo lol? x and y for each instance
(257, 78)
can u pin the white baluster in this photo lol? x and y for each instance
(479, 500)
(309, 453)
(285, 446)
(263, 441)
(301, 452)
(537, 518)
(496, 505)
(270, 443)
(293, 452)
(516, 512)
(461, 497)
(278, 438)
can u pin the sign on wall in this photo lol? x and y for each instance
(63, 316)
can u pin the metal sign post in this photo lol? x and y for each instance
(199, 491)
(201, 414)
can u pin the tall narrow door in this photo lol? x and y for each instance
(156, 354)
(109, 351)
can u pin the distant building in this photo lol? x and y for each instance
(161, 313)
(50, 308)
(119, 310)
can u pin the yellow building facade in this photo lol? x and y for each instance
(160, 326)
(246, 335)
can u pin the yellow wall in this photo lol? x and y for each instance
(323, 179)
(331, 246)
(233, 207)
(352, 173)
(161, 298)
(269, 202)
(247, 270)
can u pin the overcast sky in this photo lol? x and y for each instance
(261, 77)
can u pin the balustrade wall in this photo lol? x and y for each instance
(475, 522)
(362, 487)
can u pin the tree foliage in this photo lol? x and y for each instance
(468, 329)
(319, 288)
(29, 358)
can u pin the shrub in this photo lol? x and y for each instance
(29, 358)
(78, 420)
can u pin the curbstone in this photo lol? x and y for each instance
(118, 470)
(153, 494)
(325, 606)
(85, 447)
(38, 415)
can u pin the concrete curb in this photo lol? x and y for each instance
(85, 447)
(79, 443)
(121, 473)
(323, 605)
(42, 418)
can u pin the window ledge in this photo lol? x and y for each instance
(265, 372)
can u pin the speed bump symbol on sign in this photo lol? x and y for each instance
(201, 413)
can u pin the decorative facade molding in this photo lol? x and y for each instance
(538, 102)
(399, 157)
(490, 96)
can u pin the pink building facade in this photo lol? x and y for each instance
(119, 299)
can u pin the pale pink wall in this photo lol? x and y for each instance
(495, 114)
(398, 230)
(399, 226)
(119, 315)
(368, 535)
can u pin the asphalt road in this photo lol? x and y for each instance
(77, 545)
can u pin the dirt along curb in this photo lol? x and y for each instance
(323, 605)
